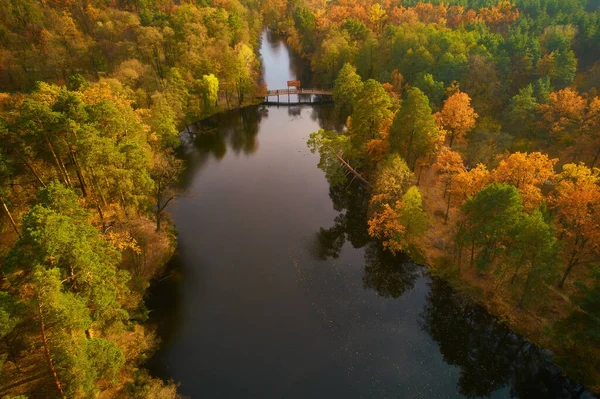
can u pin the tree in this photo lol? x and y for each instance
(528, 173)
(245, 70)
(392, 179)
(434, 90)
(412, 216)
(57, 232)
(413, 132)
(489, 218)
(521, 114)
(165, 173)
(367, 60)
(336, 155)
(347, 87)
(577, 202)
(372, 115)
(10, 317)
(162, 121)
(534, 249)
(562, 115)
(210, 90)
(449, 164)
(456, 116)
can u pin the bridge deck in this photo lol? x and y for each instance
(283, 92)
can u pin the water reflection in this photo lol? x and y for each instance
(235, 129)
(489, 355)
(492, 360)
(388, 275)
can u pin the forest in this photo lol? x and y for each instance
(473, 126)
(476, 127)
(94, 95)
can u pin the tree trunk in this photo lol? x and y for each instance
(521, 301)
(596, 158)
(451, 139)
(33, 172)
(409, 149)
(472, 251)
(11, 353)
(158, 210)
(448, 208)
(561, 284)
(79, 174)
(66, 172)
(12, 221)
(57, 162)
(72, 277)
(512, 280)
(351, 169)
(419, 176)
(570, 265)
(47, 353)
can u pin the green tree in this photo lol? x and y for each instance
(433, 89)
(162, 121)
(372, 113)
(534, 250)
(521, 114)
(412, 216)
(348, 85)
(413, 133)
(393, 179)
(210, 90)
(488, 220)
(10, 318)
(335, 151)
(57, 232)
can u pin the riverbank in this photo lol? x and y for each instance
(534, 322)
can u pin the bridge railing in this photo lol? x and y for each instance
(280, 92)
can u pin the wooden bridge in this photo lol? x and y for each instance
(305, 96)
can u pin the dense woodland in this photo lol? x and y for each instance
(94, 94)
(472, 125)
(475, 125)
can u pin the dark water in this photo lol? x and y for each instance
(277, 291)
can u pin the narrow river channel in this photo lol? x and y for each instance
(277, 291)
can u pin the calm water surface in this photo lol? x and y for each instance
(277, 292)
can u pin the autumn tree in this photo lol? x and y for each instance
(528, 173)
(562, 115)
(577, 202)
(449, 164)
(456, 117)
(392, 182)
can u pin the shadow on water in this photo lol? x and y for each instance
(489, 355)
(493, 361)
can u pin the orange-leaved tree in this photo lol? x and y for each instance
(457, 116)
(577, 203)
(527, 172)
